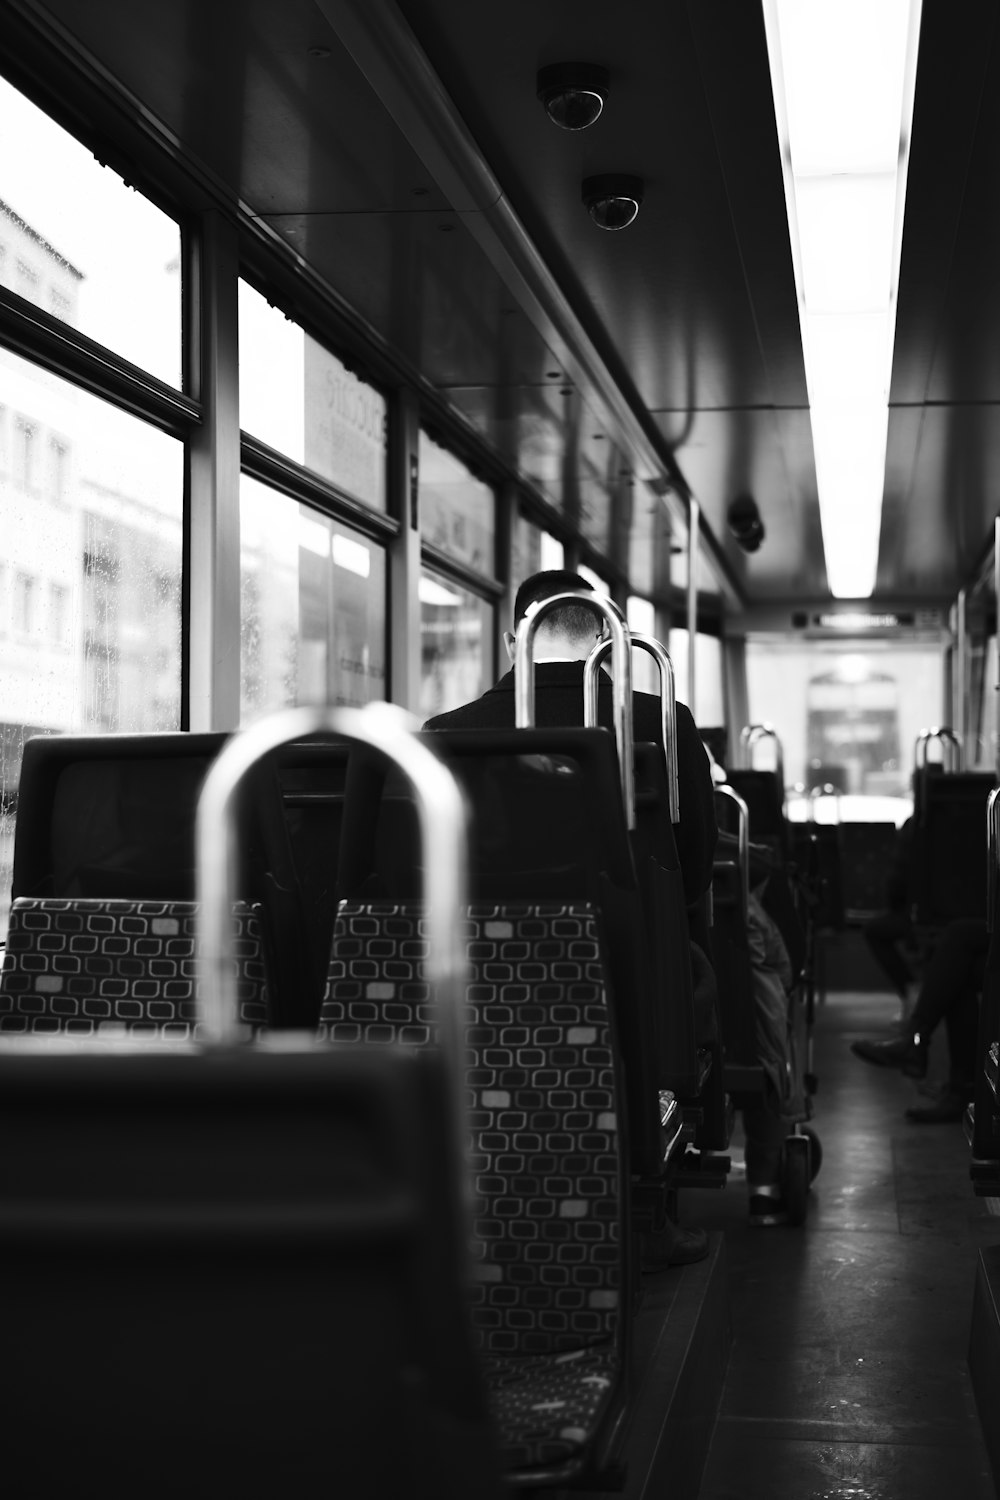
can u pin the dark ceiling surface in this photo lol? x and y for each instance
(689, 316)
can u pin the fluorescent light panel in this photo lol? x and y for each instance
(843, 75)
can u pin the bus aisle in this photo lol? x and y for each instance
(847, 1378)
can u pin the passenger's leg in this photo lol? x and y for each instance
(962, 1022)
(883, 934)
(765, 1133)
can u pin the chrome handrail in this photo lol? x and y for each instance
(826, 789)
(751, 735)
(742, 843)
(442, 817)
(992, 854)
(668, 706)
(951, 746)
(621, 666)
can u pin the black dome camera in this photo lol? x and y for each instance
(573, 93)
(612, 199)
(743, 520)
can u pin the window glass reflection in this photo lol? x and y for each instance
(457, 511)
(91, 505)
(312, 607)
(456, 629)
(533, 550)
(77, 242)
(298, 398)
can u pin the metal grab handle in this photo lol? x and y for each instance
(442, 818)
(742, 844)
(751, 735)
(621, 666)
(949, 741)
(668, 706)
(826, 790)
(992, 854)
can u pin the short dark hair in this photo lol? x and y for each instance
(575, 619)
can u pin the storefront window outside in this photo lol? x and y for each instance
(456, 633)
(298, 398)
(457, 511)
(77, 242)
(312, 607)
(91, 504)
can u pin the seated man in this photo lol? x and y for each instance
(564, 641)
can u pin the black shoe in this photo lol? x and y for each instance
(766, 1211)
(901, 1052)
(673, 1247)
(951, 1105)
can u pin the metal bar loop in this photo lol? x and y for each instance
(668, 705)
(992, 855)
(742, 845)
(750, 736)
(951, 747)
(441, 813)
(621, 666)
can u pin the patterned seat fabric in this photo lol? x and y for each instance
(101, 968)
(545, 1148)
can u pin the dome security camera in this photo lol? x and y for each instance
(744, 521)
(573, 93)
(612, 199)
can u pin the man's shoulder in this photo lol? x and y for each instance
(492, 710)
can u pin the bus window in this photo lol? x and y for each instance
(456, 632)
(83, 246)
(457, 510)
(298, 398)
(312, 607)
(533, 550)
(90, 613)
(847, 713)
(709, 707)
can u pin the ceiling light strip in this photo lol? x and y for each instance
(843, 74)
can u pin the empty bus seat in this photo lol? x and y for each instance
(546, 824)
(90, 968)
(551, 1180)
(112, 816)
(764, 796)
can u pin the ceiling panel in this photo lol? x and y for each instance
(692, 309)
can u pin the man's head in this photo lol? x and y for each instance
(568, 632)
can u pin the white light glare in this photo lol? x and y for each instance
(843, 75)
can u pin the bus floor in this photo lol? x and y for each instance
(847, 1377)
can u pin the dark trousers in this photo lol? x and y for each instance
(883, 935)
(950, 990)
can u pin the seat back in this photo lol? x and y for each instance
(112, 817)
(764, 796)
(547, 1151)
(90, 968)
(949, 847)
(253, 1262)
(546, 823)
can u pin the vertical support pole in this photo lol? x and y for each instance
(212, 524)
(996, 610)
(958, 677)
(503, 614)
(694, 523)
(404, 555)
